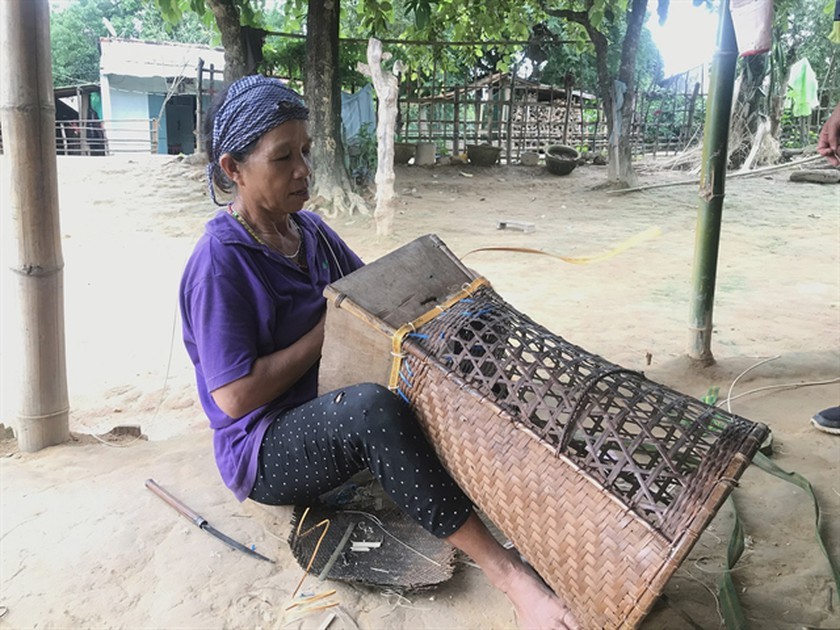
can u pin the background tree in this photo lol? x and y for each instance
(242, 25)
(75, 31)
(332, 190)
(596, 17)
(800, 29)
(239, 23)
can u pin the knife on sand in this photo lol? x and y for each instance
(200, 521)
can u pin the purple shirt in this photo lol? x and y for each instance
(241, 301)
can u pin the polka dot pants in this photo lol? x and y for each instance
(321, 444)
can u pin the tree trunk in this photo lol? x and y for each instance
(601, 45)
(332, 191)
(27, 115)
(620, 170)
(618, 111)
(386, 85)
(604, 81)
(242, 44)
(780, 63)
(745, 118)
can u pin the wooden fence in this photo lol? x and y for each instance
(517, 116)
(520, 116)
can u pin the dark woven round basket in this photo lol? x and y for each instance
(403, 152)
(561, 159)
(483, 154)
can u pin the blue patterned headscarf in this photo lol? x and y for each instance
(253, 105)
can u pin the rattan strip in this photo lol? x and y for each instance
(410, 327)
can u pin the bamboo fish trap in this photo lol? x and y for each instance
(602, 479)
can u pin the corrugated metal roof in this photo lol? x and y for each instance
(71, 90)
(137, 58)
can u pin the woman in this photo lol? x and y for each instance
(253, 312)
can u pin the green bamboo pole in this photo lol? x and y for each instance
(712, 180)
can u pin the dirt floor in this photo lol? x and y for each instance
(84, 544)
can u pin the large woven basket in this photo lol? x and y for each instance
(602, 479)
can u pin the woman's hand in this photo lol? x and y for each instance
(828, 144)
(271, 375)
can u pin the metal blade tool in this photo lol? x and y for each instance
(200, 521)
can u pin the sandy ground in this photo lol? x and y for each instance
(84, 544)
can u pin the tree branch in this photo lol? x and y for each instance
(579, 17)
(600, 43)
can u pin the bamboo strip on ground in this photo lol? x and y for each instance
(696, 180)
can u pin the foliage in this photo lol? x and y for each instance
(251, 12)
(286, 56)
(453, 20)
(75, 33)
(793, 135)
(446, 20)
(362, 154)
(712, 395)
(801, 30)
(577, 58)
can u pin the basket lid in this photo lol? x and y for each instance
(402, 285)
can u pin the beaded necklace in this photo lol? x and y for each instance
(257, 238)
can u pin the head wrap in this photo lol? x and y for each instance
(253, 105)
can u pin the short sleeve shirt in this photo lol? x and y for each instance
(241, 301)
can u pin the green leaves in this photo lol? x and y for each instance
(75, 31)
(422, 10)
(375, 15)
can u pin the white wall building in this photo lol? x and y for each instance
(143, 82)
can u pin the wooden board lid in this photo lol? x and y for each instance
(402, 285)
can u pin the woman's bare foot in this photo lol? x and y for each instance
(537, 607)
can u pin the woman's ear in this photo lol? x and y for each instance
(231, 167)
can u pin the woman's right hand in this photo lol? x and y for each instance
(272, 374)
(828, 144)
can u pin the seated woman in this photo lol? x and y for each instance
(253, 312)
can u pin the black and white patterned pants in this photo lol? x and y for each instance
(321, 444)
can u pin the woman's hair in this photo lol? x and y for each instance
(220, 180)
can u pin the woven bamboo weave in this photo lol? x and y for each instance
(602, 479)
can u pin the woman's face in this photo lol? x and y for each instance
(274, 178)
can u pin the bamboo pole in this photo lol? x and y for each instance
(509, 125)
(690, 124)
(550, 140)
(27, 114)
(568, 90)
(712, 183)
(456, 134)
(199, 106)
(582, 143)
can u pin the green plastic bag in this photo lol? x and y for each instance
(802, 88)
